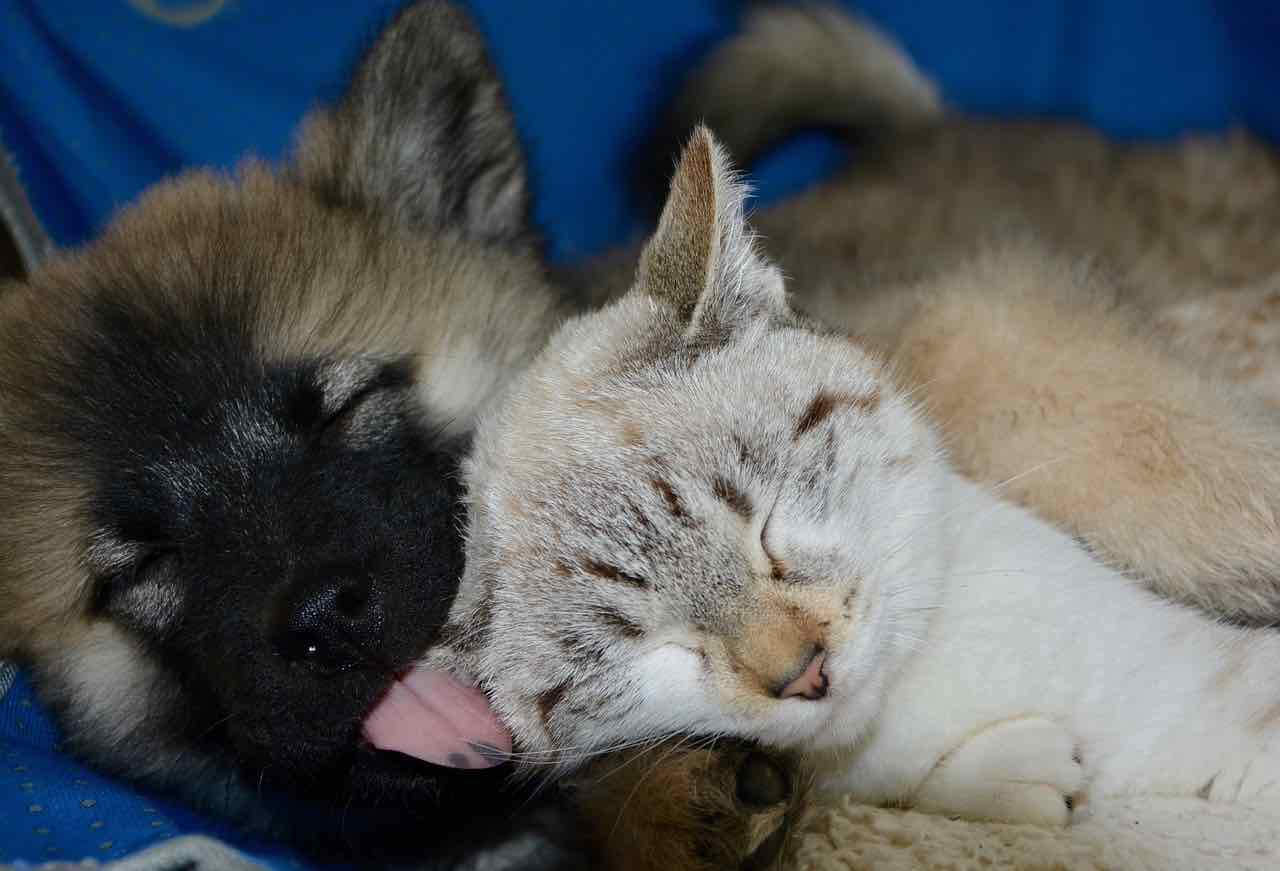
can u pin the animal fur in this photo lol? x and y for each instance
(229, 432)
(743, 510)
(349, 252)
(1043, 290)
(1040, 288)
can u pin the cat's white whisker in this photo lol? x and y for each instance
(557, 756)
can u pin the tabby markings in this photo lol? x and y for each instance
(825, 404)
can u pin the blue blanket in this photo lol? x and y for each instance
(99, 100)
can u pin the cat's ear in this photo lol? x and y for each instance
(702, 258)
(423, 134)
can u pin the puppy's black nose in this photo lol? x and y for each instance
(334, 622)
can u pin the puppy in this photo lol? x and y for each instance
(228, 437)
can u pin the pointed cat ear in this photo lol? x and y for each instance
(424, 134)
(702, 258)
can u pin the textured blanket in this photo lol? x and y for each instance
(1150, 833)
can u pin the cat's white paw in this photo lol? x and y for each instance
(1018, 771)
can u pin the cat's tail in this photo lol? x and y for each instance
(794, 66)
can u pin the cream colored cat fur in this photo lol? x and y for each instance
(1045, 293)
(1089, 323)
(698, 513)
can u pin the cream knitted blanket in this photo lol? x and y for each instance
(1117, 834)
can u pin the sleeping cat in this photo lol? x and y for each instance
(1023, 280)
(1086, 320)
(700, 512)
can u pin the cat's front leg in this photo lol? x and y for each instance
(1025, 770)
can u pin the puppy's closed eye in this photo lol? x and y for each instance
(360, 399)
(369, 414)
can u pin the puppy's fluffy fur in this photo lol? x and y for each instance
(228, 437)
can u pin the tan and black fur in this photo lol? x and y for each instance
(229, 431)
(679, 805)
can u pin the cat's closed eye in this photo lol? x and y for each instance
(681, 648)
(777, 568)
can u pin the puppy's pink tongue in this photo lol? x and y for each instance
(429, 715)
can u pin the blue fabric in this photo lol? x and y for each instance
(52, 808)
(98, 100)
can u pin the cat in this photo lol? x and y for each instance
(1059, 301)
(1003, 270)
(700, 512)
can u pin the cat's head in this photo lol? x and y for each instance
(697, 512)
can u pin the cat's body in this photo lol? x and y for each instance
(1086, 324)
(701, 513)
(1035, 654)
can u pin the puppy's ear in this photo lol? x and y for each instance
(424, 134)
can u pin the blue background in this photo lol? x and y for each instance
(99, 99)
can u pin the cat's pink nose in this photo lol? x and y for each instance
(812, 682)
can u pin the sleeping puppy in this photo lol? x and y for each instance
(228, 437)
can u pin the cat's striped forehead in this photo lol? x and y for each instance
(774, 378)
